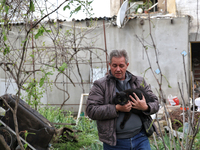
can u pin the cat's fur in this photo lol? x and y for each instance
(123, 97)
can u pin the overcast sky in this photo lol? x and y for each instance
(101, 8)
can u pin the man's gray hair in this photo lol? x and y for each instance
(118, 54)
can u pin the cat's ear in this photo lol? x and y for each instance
(117, 93)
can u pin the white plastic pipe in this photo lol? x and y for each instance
(80, 106)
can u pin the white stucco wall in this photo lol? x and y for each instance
(170, 39)
(189, 7)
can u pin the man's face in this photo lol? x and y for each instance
(118, 67)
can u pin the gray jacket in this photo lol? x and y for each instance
(101, 108)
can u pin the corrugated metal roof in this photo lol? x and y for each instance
(128, 17)
(63, 20)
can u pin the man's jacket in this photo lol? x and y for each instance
(101, 108)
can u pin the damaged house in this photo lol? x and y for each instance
(166, 33)
(161, 37)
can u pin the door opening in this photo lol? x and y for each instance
(195, 51)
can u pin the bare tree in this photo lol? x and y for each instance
(189, 137)
(19, 50)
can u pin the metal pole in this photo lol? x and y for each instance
(15, 135)
(105, 44)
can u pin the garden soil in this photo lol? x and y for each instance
(176, 117)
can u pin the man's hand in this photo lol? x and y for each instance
(139, 104)
(125, 108)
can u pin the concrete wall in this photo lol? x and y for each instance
(189, 7)
(170, 40)
(176, 7)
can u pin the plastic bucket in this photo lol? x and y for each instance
(173, 100)
(176, 100)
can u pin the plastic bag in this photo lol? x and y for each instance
(173, 100)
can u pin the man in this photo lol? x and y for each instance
(109, 116)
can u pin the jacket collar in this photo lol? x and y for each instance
(130, 75)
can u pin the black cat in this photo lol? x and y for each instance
(123, 97)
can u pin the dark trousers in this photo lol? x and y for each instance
(138, 142)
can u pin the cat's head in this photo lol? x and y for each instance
(121, 98)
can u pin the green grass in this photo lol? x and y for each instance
(87, 138)
(195, 146)
(167, 143)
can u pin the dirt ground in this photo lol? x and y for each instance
(177, 114)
